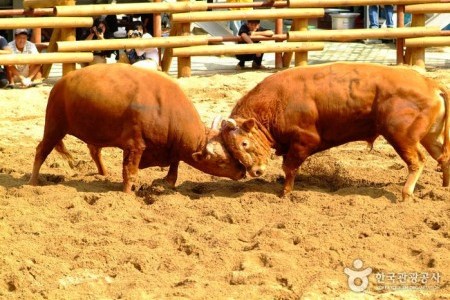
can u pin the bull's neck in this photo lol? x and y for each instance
(198, 146)
(264, 130)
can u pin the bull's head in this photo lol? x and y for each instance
(214, 159)
(249, 142)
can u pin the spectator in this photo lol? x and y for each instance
(251, 28)
(4, 48)
(100, 31)
(146, 58)
(27, 74)
(374, 15)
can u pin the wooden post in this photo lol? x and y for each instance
(184, 63)
(287, 57)
(278, 56)
(400, 41)
(166, 60)
(56, 36)
(68, 34)
(301, 58)
(417, 56)
(157, 28)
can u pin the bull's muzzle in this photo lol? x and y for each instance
(257, 171)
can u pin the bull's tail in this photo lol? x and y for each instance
(65, 153)
(444, 158)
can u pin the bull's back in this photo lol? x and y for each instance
(339, 101)
(102, 104)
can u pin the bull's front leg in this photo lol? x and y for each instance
(299, 150)
(131, 159)
(289, 180)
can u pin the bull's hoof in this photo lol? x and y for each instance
(33, 182)
(284, 193)
(407, 198)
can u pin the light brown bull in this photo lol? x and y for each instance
(144, 113)
(305, 110)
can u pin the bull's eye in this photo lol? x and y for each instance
(245, 144)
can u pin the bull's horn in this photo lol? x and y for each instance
(230, 123)
(216, 122)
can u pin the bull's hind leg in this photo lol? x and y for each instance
(172, 175)
(131, 159)
(43, 149)
(96, 154)
(415, 160)
(432, 142)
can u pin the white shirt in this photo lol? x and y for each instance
(29, 48)
(150, 53)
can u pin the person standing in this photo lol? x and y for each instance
(374, 16)
(27, 74)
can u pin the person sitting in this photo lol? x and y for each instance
(27, 74)
(251, 28)
(147, 58)
(4, 49)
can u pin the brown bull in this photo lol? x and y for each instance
(305, 110)
(144, 113)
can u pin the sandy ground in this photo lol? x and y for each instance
(79, 237)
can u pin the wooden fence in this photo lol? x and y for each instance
(64, 17)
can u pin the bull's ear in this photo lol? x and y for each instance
(200, 156)
(229, 123)
(248, 124)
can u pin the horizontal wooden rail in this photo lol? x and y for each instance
(282, 13)
(231, 38)
(359, 34)
(226, 5)
(46, 3)
(424, 42)
(428, 8)
(26, 12)
(247, 49)
(157, 42)
(338, 3)
(45, 58)
(130, 8)
(115, 44)
(45, 22)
